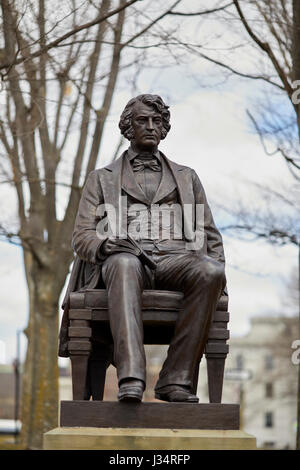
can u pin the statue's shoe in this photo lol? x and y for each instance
(176, 393)
(131, 391)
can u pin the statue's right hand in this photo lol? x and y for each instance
(109, 246)
(119, 245)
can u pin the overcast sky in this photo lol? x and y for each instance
(210, 133)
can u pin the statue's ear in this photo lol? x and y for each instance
(128, 134)
(164, 134)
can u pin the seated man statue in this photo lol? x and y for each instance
(144, 222)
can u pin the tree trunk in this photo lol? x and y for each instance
(296, 76)
(298, 366)
(40, 380)
(296, 49)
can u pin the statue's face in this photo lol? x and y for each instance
(147, 126)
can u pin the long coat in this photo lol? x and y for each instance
(104, 186)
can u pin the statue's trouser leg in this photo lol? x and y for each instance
(125, 278)
(202, 279)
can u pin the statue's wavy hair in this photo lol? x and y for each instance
(150, 100)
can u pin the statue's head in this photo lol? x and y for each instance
(136, 125)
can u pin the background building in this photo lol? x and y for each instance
(261, 377)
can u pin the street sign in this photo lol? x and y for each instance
(238, 375)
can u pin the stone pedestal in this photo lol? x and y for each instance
(107, 414)
(100, 425)
(147, 439)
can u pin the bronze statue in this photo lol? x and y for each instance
(149, 243)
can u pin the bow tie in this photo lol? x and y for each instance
(140, 164)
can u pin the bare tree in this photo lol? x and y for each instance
(59, 65)
(267, 34)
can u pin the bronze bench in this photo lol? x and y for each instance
(90, 340)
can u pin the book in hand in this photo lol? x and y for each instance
(129, 245)
(145, 259)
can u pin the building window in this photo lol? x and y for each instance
(269, 445)
(239, 362)
(269, 362)
(269, 390)
(269, 421)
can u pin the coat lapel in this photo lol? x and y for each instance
(182, 176)
(167, 183)
(130, 185)
(110, 178)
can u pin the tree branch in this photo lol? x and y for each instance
(144, 30)
(110, 87)
(51, 45)
(288, 159)
(87, 98)
(264, 46)
(273, 235)
(231, 69)
(21, 121)
(203, 12)
(25, 179)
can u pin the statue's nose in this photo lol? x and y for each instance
(150, 123)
